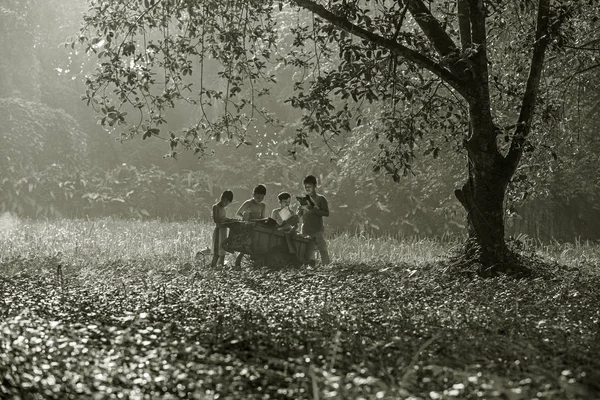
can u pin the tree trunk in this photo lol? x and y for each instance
(482, 196)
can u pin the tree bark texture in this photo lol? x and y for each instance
(482, 195)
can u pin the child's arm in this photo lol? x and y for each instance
(263, 211)
(214, 214)
(242, 208)
(320, 208)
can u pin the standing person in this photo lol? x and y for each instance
(219, 215)
(312, 216)
(254, 208)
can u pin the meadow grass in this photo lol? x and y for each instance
(114, 239)
(112, 309)
(121, 239)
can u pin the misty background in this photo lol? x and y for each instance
(56, 161)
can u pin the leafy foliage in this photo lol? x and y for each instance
(35, 136)
(124, 191)
(148, 67)
(154, 64)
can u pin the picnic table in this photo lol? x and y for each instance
(266, 245)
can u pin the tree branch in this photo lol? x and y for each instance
(464, 24)
(586, 69)
(531, 90)
(393, 46)
(432, 28)
(479, 38)
(400, 22)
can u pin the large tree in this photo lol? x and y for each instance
(424, 68)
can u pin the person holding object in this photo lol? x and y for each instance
(286, 218)
(254, 208)
(312, 210)
(219, 216)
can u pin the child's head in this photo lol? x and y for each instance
(226, 197)
(284, 199)
(259, 193)
(310, 184)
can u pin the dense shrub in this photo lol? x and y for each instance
(124, 191)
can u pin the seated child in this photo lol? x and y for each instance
(254, 208)
(286, 218)
(219, 216)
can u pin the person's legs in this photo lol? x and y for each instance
(215, 248)
(322, 247)
(218, 252)
(222, 252)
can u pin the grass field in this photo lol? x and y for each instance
(122, 309)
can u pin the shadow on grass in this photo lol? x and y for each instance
(158, 327)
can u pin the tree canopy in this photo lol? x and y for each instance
(407, 56)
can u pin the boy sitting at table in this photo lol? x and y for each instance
(286, 218)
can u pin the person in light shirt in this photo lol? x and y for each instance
(286, 218)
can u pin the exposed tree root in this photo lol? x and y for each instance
(471, 259)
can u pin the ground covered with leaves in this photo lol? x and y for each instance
(159, 324)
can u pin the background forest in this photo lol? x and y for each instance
(57, 161)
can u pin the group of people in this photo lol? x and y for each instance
(309, 215)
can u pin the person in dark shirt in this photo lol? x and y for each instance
(312, 217)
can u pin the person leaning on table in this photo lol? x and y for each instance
(219, 216)
(254, 208)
